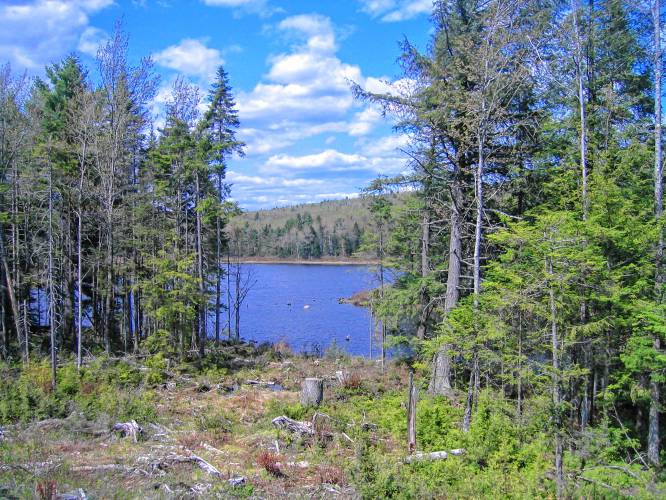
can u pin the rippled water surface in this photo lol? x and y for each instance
(299, 304)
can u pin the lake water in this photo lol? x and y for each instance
(299, 304)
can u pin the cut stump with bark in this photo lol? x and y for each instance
(312, 392)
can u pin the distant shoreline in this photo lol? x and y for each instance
(314, 262)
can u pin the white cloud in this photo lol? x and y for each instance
(332, 162)
(305, 91)
(396, 10)
(91, 39)
(258, 7)
(329, 158)
(190, 57)
(336, 196)
(38, 32)
(273, 182)
(228, 3)
(365, 121)
(389, 145)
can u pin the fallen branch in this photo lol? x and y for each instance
(260, 382)
(598, 483)
(435, 455)
(31, 468)
(210, 448)
(102, 467)
(197, 460)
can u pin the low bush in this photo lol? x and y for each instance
(270, 463)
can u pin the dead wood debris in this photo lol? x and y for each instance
(128, 429)
(435, 455)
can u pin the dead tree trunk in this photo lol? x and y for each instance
(411, 414)
(12, 298)
(52, 305)
(655, 396)
(202, 285)
(312, 392)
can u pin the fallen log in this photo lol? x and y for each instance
(102, 468)
(435, 455)
(295, 427)
(197, 460)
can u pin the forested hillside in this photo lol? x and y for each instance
(334, 228)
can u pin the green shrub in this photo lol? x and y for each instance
(157, 366)
(294, 410)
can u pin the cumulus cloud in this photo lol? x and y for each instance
(35, 33)
(258, 7)
(305, 92)
(307, 84)
(190, 57)
(273, 182)
(396, 10)
(332, 163)
(91, 39)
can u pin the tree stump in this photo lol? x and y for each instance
(312, 392)
(440, 383)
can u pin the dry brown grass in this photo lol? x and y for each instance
(327, 474)
(283, 347)
(46, 490)
(270, 462)
(352, 381)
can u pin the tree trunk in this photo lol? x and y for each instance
(229, 290)
(440, 382)
(478, 235)
(411, 414)
(425, 269)
(312, 392)
(79, 289)
(581, 108)
(441, 368)
(655, 396)
(12, 298)
(52, 305)
(202, 284)
(557, 398)
(218, 278)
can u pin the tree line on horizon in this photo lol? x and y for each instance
(532, 246)
(112, 225)
(333, 228)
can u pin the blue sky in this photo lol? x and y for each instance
(289, 64)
